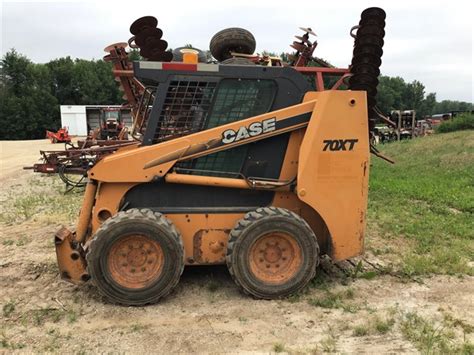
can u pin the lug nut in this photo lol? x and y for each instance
(132, 269)
(143, 268)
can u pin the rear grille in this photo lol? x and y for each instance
(185, 109)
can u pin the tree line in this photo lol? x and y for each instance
(30, 94)
(394, 93)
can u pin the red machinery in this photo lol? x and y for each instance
(61, 136)
(111, 123)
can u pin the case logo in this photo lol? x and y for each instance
(335, 145)
(254, 129)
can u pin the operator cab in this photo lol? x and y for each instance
(190, 98)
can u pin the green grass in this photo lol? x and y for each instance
(8, 309)
(335, 300)
(42, 200)
(137, 327)
(278, 348)
(427, 199)
(42, 315)
(212, 285)
(374, 326)
(361, 330)
(432, 338)
(383, 326)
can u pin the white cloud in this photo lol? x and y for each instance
(426, 40)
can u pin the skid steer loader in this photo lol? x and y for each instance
(247, 166)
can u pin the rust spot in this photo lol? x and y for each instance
(197, 240)
(61, 235)
(215, 246)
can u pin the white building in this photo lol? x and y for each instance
(80, 119)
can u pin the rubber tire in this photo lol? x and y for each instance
(249, 229)
(178, 56)
(237, 61)
(232, 40)
(144, 221)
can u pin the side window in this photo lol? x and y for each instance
(235, 100)
(239, 99)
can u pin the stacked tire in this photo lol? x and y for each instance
(366, 59)
(229, 40)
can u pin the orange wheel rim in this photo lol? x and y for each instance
(275, 258)
(135, 261)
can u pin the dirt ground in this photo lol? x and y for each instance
(14, 155)
(206, 313)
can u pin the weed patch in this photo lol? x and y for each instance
(212, 285)
(43, 315)
(383, 326)
(8, 309)
(278, 348)
(43, 200)
(374, 326)
(431, 338)
(335, 300)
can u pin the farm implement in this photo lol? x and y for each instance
(61, 136)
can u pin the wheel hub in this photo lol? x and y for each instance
(275, 257)
(273, 253)
(135, 261)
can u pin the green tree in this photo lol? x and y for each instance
(391, 93)
(28, 107)
(413, 95)
(30, 94)
(134, 54)
(62, 81)
(427, 106)
(95, 83)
